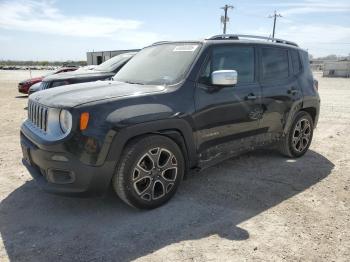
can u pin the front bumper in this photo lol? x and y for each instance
(22, 88)
(62, 173)
(31, 91)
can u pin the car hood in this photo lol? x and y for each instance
(74, 95)
(78, 74)
(35, 87)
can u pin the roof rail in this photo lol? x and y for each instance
(237, 37)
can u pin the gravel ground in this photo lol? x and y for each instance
(259, 206)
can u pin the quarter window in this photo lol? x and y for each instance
(274, 63)
(296, 61)
(240, 59)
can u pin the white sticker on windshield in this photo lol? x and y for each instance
(185, 48)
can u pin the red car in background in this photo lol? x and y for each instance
(24, 86)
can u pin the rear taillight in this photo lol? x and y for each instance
(315, 85)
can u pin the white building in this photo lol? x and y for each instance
(96, 58)
(337, 69)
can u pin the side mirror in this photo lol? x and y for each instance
(224, 78)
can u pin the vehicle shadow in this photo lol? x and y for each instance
(22, 96)
(36, 226)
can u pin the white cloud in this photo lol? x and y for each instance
(318, 33)
(44, 17)
(319, 39)
(137, 39)
(5, 38)
(313, 6)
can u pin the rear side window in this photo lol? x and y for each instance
(240, 59)
(274, 63)
(59, 83)
(296, 61)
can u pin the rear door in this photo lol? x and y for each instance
(281, 92)
(227, 118)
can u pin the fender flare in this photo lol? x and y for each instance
(176, 129)
(290, 117)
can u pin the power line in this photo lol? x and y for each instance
(225, 18)
(274, 16)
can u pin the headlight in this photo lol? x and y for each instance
(65, 121)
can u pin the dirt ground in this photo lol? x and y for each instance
(259, 206)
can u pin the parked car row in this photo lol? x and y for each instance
(23, 86)
(15, 67)
(74, 75)
(103, 71)
(172, 108)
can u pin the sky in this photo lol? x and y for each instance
(65, 29)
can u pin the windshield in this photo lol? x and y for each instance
(159, 65)
(113, 63)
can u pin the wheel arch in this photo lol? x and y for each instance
(312, 111)
(300, 106)
(176, 129)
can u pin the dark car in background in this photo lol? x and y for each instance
(103, 71)
(23, 86)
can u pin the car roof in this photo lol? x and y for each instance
(128, 53)
(246, 42)
(240, 39)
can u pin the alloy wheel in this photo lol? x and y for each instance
(301, 135)
(155, 174)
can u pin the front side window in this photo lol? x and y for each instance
(240, 59)
(274, 63)
(163, 64)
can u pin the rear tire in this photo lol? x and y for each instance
(149, 172)
(298, 139)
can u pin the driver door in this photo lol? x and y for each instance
(227, 118)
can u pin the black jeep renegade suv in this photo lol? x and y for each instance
(174, 107)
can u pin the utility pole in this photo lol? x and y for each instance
(225, 18)
(274, 16)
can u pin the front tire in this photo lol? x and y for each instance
(149, 172)
(298, 139)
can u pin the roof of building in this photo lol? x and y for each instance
(120, 50)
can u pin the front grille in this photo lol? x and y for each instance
(38, 114)
(45, 85)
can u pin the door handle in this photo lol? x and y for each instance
(250, 97)
(293, 91)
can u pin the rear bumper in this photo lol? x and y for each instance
(62, 173)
